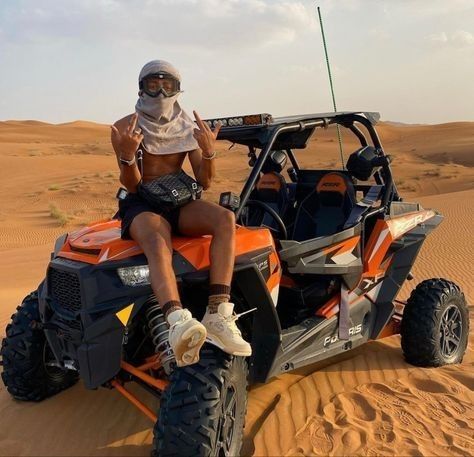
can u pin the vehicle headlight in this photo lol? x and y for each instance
(134, 276)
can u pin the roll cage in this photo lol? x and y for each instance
(293, 132)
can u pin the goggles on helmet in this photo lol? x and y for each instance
(160, 83)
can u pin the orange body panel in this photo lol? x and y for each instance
(375, 261)
(275, 272)
(385, 232)
(196, 250)
(101, 242)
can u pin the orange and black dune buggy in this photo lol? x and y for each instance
(321, 257)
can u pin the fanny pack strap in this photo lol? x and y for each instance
(173, 193)
(139, 155)
(191, 187)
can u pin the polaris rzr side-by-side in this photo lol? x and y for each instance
(321, 256)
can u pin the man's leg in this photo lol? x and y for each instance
(205, 218)
(153, 234)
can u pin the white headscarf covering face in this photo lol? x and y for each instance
(166, 128)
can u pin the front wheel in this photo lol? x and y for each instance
(435, 324)
(29, 371)
(202, 412)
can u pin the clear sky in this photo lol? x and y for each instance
(411, 60)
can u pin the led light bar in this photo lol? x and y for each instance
(239, 121)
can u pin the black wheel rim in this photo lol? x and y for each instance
(450, 331)
(226, 421)
(54, 373)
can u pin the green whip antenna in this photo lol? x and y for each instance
(332, 87)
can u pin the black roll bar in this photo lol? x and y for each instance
(390, 188)
(356, 131)
(293, 160)
(391, 192)
(249, 185)
(370, 128)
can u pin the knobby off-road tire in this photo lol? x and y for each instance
(435, 324)
(202, 412)
(25, 352)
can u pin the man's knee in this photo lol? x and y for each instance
(226, 222)
(154, 245)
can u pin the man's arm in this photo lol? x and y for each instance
(203, 163)
(124, 142)
(204, 170)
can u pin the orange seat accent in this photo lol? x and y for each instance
(269, 180)
(332, 182)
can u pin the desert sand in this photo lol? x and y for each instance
(56, 178)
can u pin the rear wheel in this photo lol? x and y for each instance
(202, 412)
(435, 324)
(29, 368)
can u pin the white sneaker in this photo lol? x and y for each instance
(223, 332)
(186, 337)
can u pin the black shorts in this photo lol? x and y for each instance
(132, 205)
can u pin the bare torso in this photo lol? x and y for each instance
(156, 165)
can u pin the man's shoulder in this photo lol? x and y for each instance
(123, 122)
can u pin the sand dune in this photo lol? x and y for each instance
(372, 404)
(369, 402)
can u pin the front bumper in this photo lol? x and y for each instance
(78, 303)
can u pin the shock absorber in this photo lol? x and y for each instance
(159, 333)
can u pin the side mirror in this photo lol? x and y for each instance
(229, 200)
(364, 162)
(121, 193)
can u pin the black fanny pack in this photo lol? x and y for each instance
(168, 191)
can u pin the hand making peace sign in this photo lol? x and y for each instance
(205, 137)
